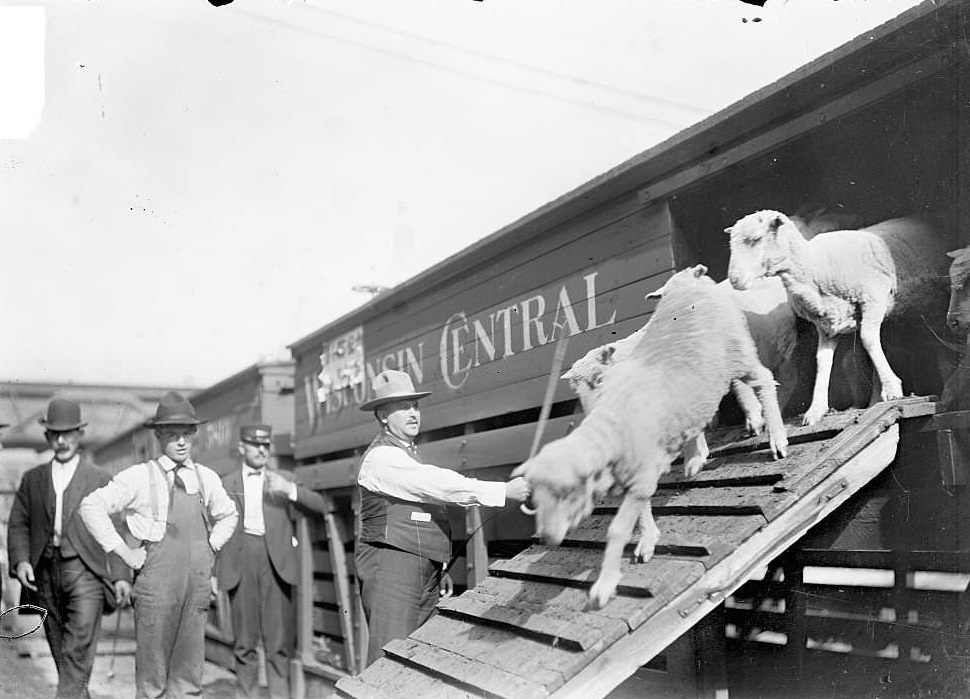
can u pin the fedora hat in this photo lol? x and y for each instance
(173, 409)
(62, 416)
(391, 385)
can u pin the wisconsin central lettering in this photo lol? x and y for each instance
(467, 343)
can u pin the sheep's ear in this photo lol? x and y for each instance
(655, 294)
(775, 223)
(729, 229)
(954, 253)
(700, 271)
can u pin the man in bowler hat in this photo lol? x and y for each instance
(177, 516)
(259, 566)
(58, 563)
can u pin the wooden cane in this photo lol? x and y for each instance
(557, 358)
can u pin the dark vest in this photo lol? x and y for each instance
(419, 528)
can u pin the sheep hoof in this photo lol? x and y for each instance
(814, 415)
(779, 448)
(603, 590)
(694, 465)
(892, 391)
(754, 425)
(643, 553)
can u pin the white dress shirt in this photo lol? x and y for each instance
(392, 471)
(61, 475)
(253, 479)
(131, 492)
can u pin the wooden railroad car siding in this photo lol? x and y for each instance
(875, 129)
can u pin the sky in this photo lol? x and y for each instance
(187, 189)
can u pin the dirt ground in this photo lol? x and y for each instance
(27, 669)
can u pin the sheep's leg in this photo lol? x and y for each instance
(787, 381)
(869, 326)
(695, 453)
(823, 373)
(620, 531)
(754, 422)
(648, 535)
(763, 384)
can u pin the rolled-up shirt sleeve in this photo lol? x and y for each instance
(98, 506)
(222, 510)
(391, 471)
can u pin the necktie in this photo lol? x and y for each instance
(177, 479)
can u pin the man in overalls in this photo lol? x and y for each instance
(178, 516)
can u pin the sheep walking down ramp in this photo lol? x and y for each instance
(844, 282)
(771, 324)
(651, 406)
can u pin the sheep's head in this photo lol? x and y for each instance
(563, 485)
(755, 250)
(682, 279)
(958, 313)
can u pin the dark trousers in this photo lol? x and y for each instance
(398, 590)
(74, 599)
(262, 609)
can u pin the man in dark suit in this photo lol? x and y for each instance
(259, 566)
(56, 560)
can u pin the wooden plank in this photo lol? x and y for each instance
(733, 439)
(303, 594)
(328, 620)
(708, 538)
(557, 625)
(747, 468)
(874, 422)
(733, 500)
(580, 567)
(476, 552)
(626, 655)
(870, 92)
(542, 663)
(336, 536)
(324, 591)
(538, 596)
(468, 672)
(508, 445)
(389, 679)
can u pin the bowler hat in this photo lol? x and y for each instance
(173, 409)
(256, 434)
(391, 385)
(62, 416)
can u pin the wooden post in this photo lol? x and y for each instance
(303, 603)
(341, 578)
(476, 553)
(710, 658)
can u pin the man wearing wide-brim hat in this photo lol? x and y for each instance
(177, 516)
(59, 565)
(404, 535)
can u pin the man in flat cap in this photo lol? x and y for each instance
(178, 516)
(59, 564)
(404, 535)
(259, 566)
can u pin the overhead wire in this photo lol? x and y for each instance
(528, 67)
(656, 122)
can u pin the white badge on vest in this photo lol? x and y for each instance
(420, 516)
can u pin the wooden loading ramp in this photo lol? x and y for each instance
(525, 632)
